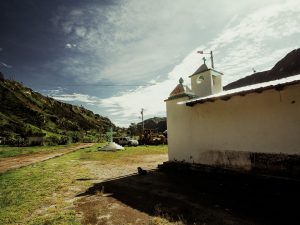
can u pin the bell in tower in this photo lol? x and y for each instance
(206, 81)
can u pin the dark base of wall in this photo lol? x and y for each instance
(275, 164)
(278, 165)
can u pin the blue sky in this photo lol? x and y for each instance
(116, 57)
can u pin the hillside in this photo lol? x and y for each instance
(288, 66)
(158, 124)
(155, 123)
(25, 113)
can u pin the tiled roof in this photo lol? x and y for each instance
(181, 91)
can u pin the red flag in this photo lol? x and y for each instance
(200, 52)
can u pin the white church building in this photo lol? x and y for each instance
(256, 126)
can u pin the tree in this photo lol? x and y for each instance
(1, 77)
(133, 129)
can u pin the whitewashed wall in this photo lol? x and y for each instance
(220, 132)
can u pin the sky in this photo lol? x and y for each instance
(115, 57)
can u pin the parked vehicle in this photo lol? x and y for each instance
(152, 137)
(125, 141)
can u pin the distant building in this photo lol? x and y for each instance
(251, 127)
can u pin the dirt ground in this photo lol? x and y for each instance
(102, 207)
(120, 196)
(25, 160)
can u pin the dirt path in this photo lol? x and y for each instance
(25, 160)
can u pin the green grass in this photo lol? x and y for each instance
(25, 191)
(93, 153)
(6, 151)
(38, 194)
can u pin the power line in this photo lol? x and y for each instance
(97, 85)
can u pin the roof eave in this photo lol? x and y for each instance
(205, 71)
(226, 97)
(189, 95)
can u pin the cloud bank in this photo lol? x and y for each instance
(137, 42)
(250, 42)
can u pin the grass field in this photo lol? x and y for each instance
(93, 154)
(43, 193)
(6, 151)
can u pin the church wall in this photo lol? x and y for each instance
(178, 123)
(230, 133)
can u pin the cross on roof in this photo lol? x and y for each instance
(110, 134)
(204, 59)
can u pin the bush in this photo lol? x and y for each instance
(51, 140)
(14, 141)
(89, 139)
(63, 140)
(75, 137)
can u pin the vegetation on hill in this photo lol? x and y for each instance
(159, 124)
(25, 113)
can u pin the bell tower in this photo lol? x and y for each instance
(206, 81)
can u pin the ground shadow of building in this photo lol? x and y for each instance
(207, 197)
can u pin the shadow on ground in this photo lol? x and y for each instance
(207, 197)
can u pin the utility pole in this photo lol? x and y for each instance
(142, 113)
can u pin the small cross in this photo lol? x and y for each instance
(204, 59)
(110, 134)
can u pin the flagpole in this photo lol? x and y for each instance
(212, 59)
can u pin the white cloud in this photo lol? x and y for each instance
(5, 65)
(76, 13)
(76, 97)
(128, 43)
(69, 45)
(139, 42)
(128, 105)
(80, 31)
(258, 40)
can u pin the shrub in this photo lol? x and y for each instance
(51, 140)
(63, 140)
(14, 141)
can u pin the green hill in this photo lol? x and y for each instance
(156, 123)
(25, 113)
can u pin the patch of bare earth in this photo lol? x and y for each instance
(25, 160)
(101, 207)
(120, 196)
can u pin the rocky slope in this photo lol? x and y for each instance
(288, 66)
